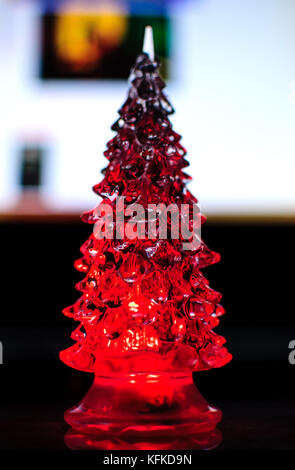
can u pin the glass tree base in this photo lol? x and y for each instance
(143, 405)
(203, 441)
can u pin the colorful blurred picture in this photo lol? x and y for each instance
(97, 46)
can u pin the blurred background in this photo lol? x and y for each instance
(230, 72)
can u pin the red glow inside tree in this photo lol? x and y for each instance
(146, 312)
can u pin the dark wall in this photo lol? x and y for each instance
(254, 275)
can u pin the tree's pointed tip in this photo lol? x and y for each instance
(148, 42)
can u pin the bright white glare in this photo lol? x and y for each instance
(231, 85)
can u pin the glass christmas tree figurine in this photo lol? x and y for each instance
(146, 311)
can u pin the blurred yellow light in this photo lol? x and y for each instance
(133, 306)
(82, 39)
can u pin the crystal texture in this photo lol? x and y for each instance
(145, 305)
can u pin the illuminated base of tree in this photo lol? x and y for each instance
(143, 406)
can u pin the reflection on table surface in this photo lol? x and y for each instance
(206, 441)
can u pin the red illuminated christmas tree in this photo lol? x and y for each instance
(145, 305)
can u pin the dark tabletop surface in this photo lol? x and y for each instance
(255, 395)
